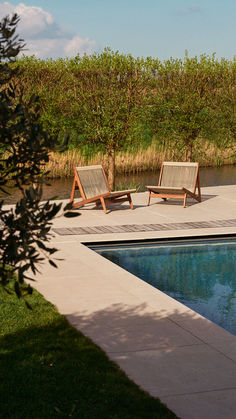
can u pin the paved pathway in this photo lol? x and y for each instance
(169, 350)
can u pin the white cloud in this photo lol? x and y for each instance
(33, 19)
(43, 36)
(53, 47)
(78, 44)
(6, 8)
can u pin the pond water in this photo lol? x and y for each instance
(61, 188)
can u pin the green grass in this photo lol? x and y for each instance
(50, 370)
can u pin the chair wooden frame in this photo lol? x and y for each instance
(165, 192)
(104, 198)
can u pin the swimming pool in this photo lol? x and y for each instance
(200, 273)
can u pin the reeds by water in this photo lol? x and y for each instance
(149, 159)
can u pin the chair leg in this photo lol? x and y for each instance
(185, 199)
(130, 201)
(73, 191)
(199, 192)
(149, 197)
(103, 205)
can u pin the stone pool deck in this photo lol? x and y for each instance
(170, 351)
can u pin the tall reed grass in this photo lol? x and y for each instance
(149, 159)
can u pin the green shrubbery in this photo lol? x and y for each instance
(111, 101)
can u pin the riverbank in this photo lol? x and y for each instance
(61, 165)
(61, 187)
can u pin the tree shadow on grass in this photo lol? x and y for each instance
(52, 370)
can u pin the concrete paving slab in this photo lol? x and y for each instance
(120, 333)
(187, 374)
(205, 330)
(202, 405)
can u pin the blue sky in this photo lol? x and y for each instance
(157, 28)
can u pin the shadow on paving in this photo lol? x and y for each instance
(120, 327)
(162, 354)
(190, 202)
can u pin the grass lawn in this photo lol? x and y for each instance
(50, 370)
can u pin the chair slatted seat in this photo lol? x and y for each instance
(94, 188)
(177, 180)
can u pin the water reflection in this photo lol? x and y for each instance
(61, 188)
(201, 276)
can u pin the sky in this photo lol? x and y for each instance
(157, 28)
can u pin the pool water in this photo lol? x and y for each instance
(200, 274)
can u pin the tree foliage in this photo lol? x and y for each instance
(24, 228)
(191, 99)
(98, 96)
(109, 92)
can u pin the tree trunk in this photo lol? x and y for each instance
(111, 169)
(189, 151)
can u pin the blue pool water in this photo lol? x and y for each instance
(199, 274)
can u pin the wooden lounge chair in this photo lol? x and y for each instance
(93, 186)
(177, 180)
